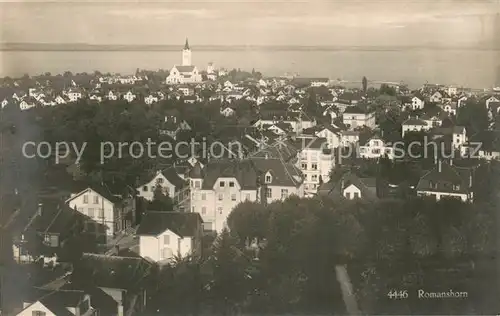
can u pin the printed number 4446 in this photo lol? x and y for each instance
(396, 295)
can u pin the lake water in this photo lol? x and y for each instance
(464, 67)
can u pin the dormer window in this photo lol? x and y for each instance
(231, 184)
(222, 184)
(268, 178)
(456, 187)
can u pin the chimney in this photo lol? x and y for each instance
(39, 210)
(439, 166)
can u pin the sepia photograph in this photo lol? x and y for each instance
(249, 157)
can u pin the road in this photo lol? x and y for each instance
(347, 290)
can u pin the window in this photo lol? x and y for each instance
(96, 199)
(197, 184)
(203, 196)
(268, 178)
(456, 187)
(348, 195)
(46, 238)
(219, 209)
(304, 166)
(284, 193)
(152, 188)
(221, 196)
(247, 196)
(222, 184)
(192, 209)
(207, 226)
(85, 199)
(269, 193)
(314, 166)
(356, 195)
(91, 212)
(204, 210)
(233, 197)
(231, 184)
(376, 151)
(159, 181)
(166, 240)
(38, 313)
(101, 213)
(145, 188)
(314, 177)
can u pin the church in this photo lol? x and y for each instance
(186, 72)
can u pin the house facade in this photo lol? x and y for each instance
(316, 160)
(221, 185)
(115, 213)
(447, 181)
(355, 117)
(163, 236)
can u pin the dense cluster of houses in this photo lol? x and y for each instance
(287, 151)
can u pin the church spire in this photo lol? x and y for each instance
(186, 46)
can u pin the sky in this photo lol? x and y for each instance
(252, 22)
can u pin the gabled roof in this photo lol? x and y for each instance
(185, 69)
(182, 224)
(56, 217)
(173, 177)
(415, 122)
(102, 190)
(110, 271)
(367, 186)
(445, 178)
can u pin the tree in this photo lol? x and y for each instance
(228, 288)
(161, 201)
(364, 82)
(248, 220)
(387, 90)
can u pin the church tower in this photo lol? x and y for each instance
(186, 55)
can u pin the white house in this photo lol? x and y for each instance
(26, 105)
(104, 208)
(331, 134)
(112, 96)
(170, 182)
(318, 82)
(316, 160)
(459, 137)
(166, 235)
(490, 100)
(356, 117)
(74, 94)
(436, 97)
(376, 147)
(150, 99)
(414, 125)
(129, 96)
(58, 303)
(417, 103)
(450, 108)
